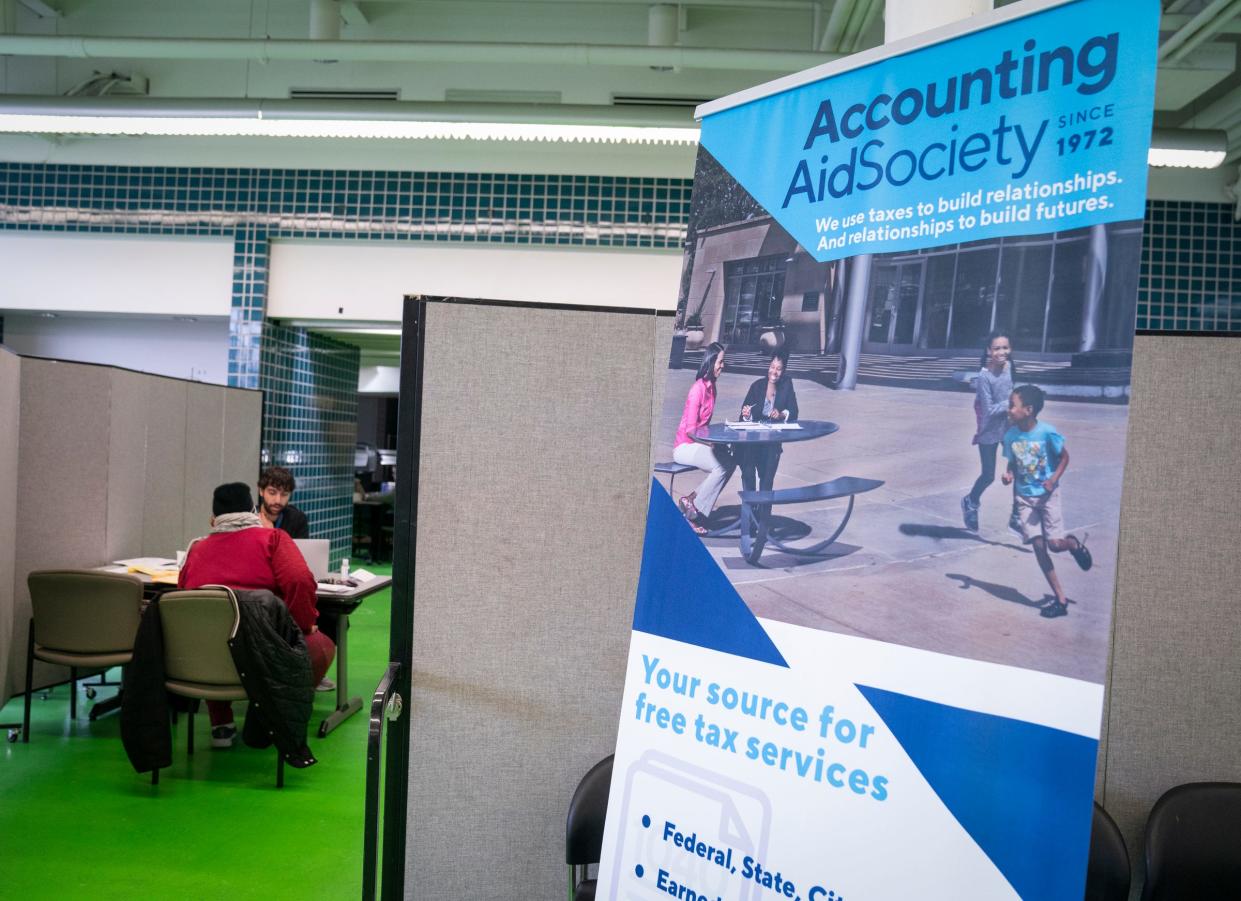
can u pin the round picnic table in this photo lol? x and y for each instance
(753, 525)
(719, 433)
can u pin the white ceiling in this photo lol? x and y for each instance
(593, 53)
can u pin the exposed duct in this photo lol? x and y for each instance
(441, 52)
(662, 25)
(324, 20)
(1213, 17)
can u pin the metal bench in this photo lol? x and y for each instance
(759, 520)
(672, 470)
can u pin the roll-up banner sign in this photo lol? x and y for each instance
(873, 616)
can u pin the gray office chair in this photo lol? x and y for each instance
(198, 664)
(584, 828)
(1107, 873)
(1193, 844)
(81, 619)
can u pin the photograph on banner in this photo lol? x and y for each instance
(947, 333)
(873, 613)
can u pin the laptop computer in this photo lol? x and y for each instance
(315, 550)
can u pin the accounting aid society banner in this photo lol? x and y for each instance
(872, 620)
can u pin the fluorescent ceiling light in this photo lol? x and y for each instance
(341, 128)
(1187, 148)
(1188, 159)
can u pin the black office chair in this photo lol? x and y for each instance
(1193, 844)
(1107, 873)
(583, 844)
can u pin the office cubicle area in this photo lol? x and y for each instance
(100, 464)
(520, 521)
(522, 486)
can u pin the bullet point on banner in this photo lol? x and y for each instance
(638, 871)
(646, 822)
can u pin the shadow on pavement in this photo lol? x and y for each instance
(784, 528)
(940, 533)
(774, 558)
(1003, 592)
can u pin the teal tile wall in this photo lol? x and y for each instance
(1190, 279)
(310, 414)
(311, 383)
(1191, 268)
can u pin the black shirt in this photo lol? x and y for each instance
(293, 521)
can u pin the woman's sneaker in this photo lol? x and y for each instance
(969, 513)
(223, 736)
(1081, 553)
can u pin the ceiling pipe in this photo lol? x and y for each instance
(441, 52)
(662, 25)
(754, 5)
(853, 29)
(1191, 27)
(324, 20)
(868, 22)
(1205, 33)
(835, 29)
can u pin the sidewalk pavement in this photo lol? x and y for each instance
(906, 570)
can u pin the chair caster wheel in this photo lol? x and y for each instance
(13, 735)
(90, 693)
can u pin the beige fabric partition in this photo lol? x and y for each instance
(1174, 712)
(10, 405)
(533, 484)
(531, 508)
(109, 464)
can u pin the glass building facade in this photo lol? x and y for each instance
(1044, 291)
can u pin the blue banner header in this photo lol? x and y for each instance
(1019, 129)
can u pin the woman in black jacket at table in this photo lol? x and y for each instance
(771, 399)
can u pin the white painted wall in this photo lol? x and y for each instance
(141, 274)
(197, 350)
(353, 281)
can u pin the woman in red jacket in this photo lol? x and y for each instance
(241, 554)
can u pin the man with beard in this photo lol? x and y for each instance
(276, 486)
(275, 512)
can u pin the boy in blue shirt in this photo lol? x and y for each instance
(1037, 459)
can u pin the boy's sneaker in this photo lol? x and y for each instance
(969, 513)
(223, 736)
(1081, 553)
(325, 684)
(1014, 523)
(1054, 609)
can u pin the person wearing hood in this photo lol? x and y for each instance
(241, 554)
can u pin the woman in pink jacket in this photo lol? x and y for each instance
(716, 461)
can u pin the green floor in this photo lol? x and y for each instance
(77, 822)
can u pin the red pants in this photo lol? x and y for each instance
(322, 652)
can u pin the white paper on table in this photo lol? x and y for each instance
(148, 562)
(361, 575)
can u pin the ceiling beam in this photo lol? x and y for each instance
(266, 50)
(352, 14)
(42, 9)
